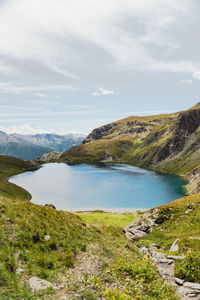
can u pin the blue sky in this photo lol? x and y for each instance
(72, 65)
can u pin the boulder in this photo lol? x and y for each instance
(178, 281)
(174, 246)
(37, 284)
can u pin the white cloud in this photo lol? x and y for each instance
(47, 112)
(20, 89)
(186, 81)
(132, 34)
(42, 95)
(196, 75)
(103, 92)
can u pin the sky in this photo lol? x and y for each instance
(73, 65)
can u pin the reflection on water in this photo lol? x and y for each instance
(99, 186)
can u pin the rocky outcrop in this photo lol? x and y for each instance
(49, 157)
(166, 143)
(194, 181)
(100, 132)
(145, 224)
(165, 265)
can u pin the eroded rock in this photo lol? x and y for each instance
(37, 284)
(174, 247)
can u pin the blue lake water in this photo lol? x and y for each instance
(107, 186)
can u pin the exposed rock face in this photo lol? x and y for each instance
(146, 223)
(167, 143)
(105, 155)
(194, 181)
(49, 157)
(100, 132)
(180, 131)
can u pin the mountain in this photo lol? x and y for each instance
(46, 253)
(165, 143)
(33, 146)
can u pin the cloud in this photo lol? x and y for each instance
(186, 81)
(196, 75)
(61, 42)
(103, 92)
(42, 95)
(19, 89)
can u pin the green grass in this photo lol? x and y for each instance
(23, 228)
(107, 219)
(11, 166)
(147, 150)
(183, 222)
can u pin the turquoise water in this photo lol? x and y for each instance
(106, 186)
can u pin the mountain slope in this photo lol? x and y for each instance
(10, 166)
(80, 261)
(33, 146)
(166, 143)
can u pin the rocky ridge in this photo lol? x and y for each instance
(165, 143)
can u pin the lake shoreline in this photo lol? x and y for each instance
(110, 210)
(98, 187)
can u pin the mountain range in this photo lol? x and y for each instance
(167, 143)
(33, 146)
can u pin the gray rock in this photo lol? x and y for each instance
(178, 281)
(37, 284)
(143, 250)
(19, 271)
(174, 246)
(166, 261)
(192, 285)
(175, 257)
(155, 246)
(188, 292)
(194, 238)
(156, 256)
(187, 211)
(129, 235)
(47, 237)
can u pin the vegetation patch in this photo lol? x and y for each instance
(10, 166)
(107, 219)
(84, 262)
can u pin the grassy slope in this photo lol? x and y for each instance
(11, 166)
(144, 149)
(183, 223)
(107, 219)
(119, 271)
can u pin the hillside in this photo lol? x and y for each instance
(34, 146)
(10, 166)
(165, 143)
(77, 261)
